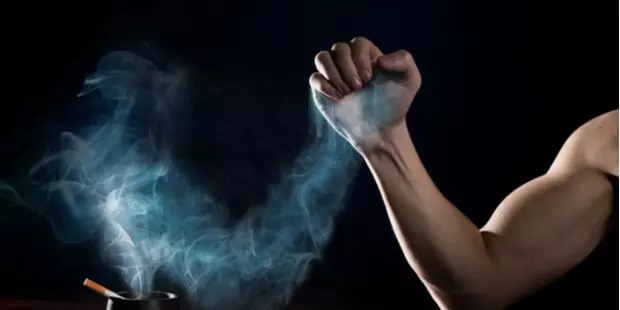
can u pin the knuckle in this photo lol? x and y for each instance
(407, 56)
(360, 39)
(314, 78)
(316, 82)
(340, 46)
(320, 56)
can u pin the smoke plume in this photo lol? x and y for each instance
(119, 176)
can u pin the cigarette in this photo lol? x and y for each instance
(100, 289)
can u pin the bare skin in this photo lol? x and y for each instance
(539, 232)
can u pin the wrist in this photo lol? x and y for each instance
(390, 141)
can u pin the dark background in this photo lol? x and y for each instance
(504, 85)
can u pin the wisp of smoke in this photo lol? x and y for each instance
(118, 176)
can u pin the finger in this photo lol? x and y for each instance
(400, 61)
(326, 66)
(364, 54)
(321, 84)
(341, 54)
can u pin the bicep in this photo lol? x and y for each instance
(550, 224)
(546, 227)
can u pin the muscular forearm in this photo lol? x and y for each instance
(444, 248)
(540, 231)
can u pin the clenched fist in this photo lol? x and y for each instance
(362, 92)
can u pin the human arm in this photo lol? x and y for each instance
(540, 231)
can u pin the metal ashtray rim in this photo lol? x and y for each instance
(137, 297)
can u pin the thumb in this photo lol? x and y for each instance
(402, 64)
(398, 62)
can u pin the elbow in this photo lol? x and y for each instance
(483, 300)
(480, 290)
(482, 294)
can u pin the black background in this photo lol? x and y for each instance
(504, 84)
